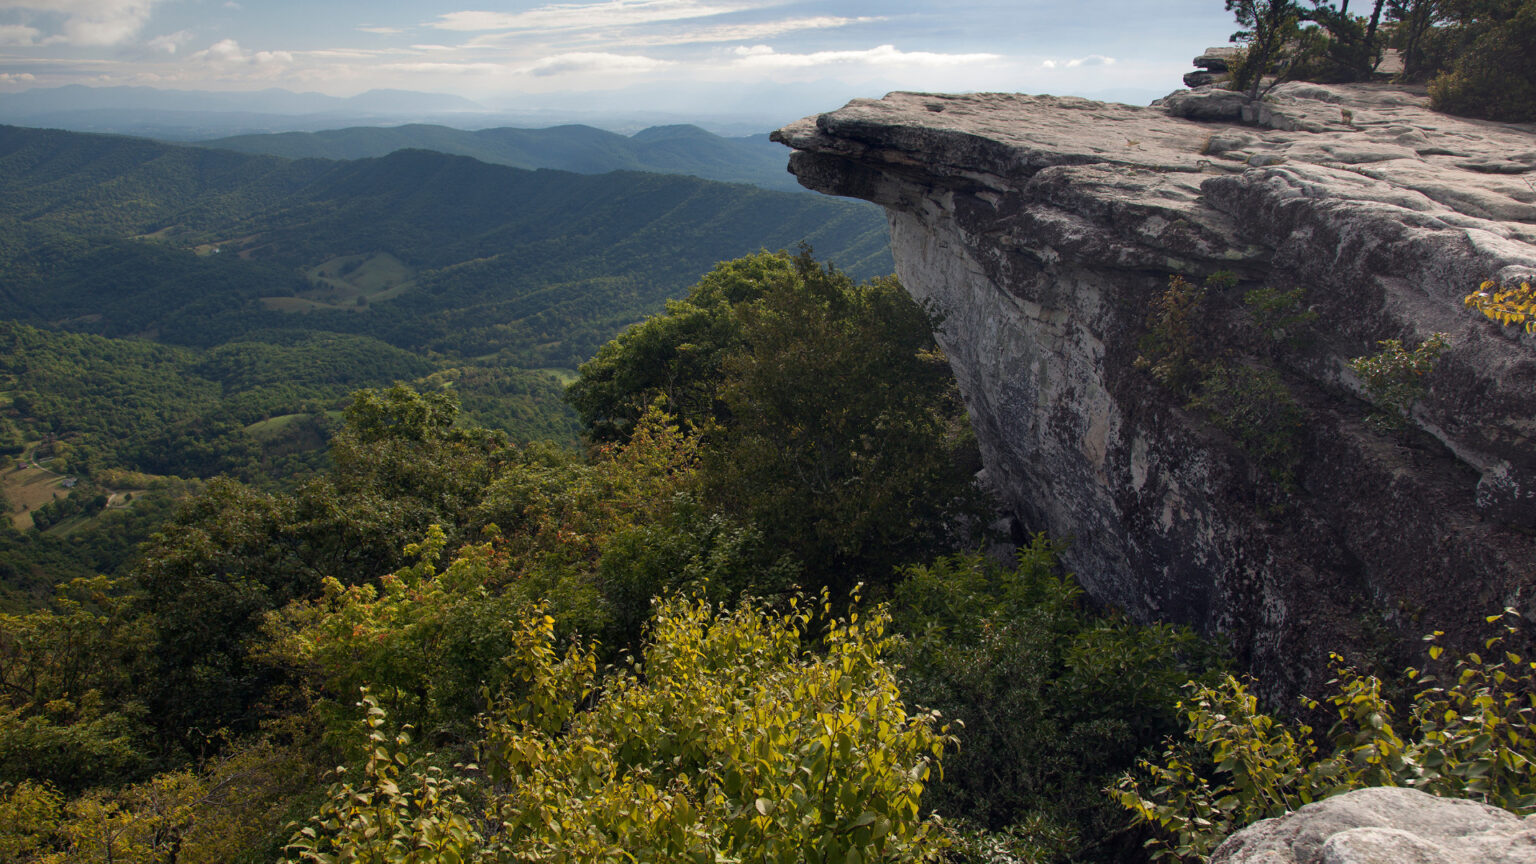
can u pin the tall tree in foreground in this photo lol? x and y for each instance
(829, 417)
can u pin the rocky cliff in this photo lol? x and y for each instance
(1042, 230)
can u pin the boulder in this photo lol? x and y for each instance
(1386, 826)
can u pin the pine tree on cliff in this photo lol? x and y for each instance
(1267, 24)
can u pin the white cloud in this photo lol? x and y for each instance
(579, 16)
(18, 34)
(170, 42)
(744, 32)
(587, 62)
(764, 57)
(16, 77)
(227, 52)
(1091, 60)
(382, 31)
(430, 68)
(1048, 64)
(90, 22)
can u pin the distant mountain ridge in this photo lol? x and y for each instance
(677, 149)
(273, 100)
(423, 250)
(190, 115)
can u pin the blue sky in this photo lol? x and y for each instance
(662, 54)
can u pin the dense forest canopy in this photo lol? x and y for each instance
(440, 596)
(243, 298)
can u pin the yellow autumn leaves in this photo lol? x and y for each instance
(1507, 303)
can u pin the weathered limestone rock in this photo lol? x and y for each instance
(1214, 66)
(1386, 826)
(1041, 228)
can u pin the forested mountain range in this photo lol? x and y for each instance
(123, 236)
(680, 149)
(186, 312)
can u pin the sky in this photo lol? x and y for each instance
(679, 55)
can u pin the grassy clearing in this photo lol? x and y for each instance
(564, 376)
(28, 488)
(239, 245)
(350, 283)
(275, 427)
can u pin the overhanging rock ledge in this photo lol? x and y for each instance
(1040, 229)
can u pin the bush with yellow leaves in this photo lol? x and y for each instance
(1469, 733)
(1509, 303)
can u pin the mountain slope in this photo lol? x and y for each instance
(121, 236)
(582, 149)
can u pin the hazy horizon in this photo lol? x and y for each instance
(746, 59)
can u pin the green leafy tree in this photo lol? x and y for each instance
(1055, 701)
(1345, 46)
(1491, 72)
(69, 711)
(233, 554)
(830, 420)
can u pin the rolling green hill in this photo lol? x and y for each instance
(125, 237)
(678, 149)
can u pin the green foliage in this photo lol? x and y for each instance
(1169, 349)
(379, 822)
(1476, 51)
(68, 712)
(1280, 316)
(730, 740)
(214, 815)
(543, 264)
(29, 813)
(165, 410)
(233, 554)
(1493, 76)
(1055, 701)
(1252, 404)
(1470, 735)
(1394, 378)
(1226, 373)
(1342, 46)
(830, 420)
(1267, 26)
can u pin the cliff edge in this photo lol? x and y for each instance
(1041, 230)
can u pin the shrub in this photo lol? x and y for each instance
(1169, 351)
(1253, 405)
(1055, 701)
(730, 741)
(1509, 304)
(1470, 734)
(1495, 77)
(1394, 378)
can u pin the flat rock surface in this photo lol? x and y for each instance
(1479, 174)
